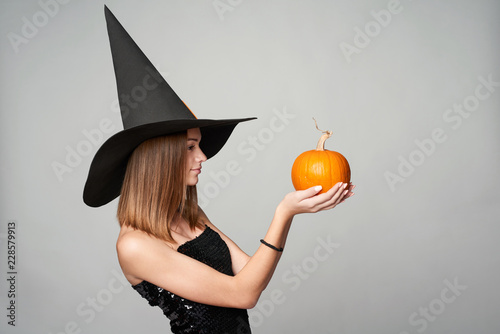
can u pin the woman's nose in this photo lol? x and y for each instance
(201, 156)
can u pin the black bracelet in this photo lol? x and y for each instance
(271, 246)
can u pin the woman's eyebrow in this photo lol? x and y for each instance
(194, 139)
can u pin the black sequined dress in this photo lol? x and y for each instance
(191, 317)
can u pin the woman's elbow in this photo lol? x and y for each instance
(245, 294)
(248, 300)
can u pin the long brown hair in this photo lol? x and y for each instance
(154, 190)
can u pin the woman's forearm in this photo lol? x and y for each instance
(281, 245)
(257, 273)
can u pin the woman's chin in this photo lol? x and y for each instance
(192, 181)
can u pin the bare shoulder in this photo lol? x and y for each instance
(134, 244)
(130, 241)
(136, 252)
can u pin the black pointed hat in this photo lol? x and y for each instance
(149, 108)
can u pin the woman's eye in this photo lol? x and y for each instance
(191, 147)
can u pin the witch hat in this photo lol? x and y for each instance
(149, 108)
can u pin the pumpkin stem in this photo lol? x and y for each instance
(324, 137)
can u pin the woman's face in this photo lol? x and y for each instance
(194, 157)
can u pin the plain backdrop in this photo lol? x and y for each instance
(410, 89)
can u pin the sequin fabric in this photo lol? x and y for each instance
(187, 316)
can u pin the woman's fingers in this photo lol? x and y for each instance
(308, 193)
(337, 195)
(319, 202)
(348, 192)
(336, 199)
(309, 200)
(336, 190)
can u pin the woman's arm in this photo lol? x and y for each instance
(146, 258)
(263, 263)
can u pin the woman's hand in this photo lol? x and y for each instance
(307, 201)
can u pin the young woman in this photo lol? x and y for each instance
(159, 215)
(169, 250)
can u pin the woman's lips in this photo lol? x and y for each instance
(196, 170)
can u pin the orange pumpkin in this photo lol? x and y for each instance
(320, 167)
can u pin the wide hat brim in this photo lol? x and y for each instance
(107, 170)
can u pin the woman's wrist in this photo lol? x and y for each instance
(283, 213)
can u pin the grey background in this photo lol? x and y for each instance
(397, 249)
